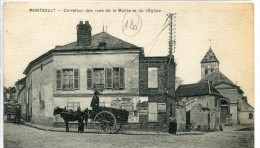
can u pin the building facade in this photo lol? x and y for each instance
(202, 105)
(68, 75)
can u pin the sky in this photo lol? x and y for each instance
(226, 27)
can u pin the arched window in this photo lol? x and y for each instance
(251, 116)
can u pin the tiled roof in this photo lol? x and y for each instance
(209, 57)
(217, 77)
(21, 81)
(100, 41)
(196, 89)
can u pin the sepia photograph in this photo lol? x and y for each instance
(128, 74)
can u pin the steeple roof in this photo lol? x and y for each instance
(209, 57)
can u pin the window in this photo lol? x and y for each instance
(89, 78)
(251, 116)
(58, 79)
(206, 71)
(67, 79)
(108, 78)
(73, 105)
(152, 77)
(162, 107)
(98, 78)
(118, 78)
(76, 79)
(42, 105)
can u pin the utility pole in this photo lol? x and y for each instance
(172, 32)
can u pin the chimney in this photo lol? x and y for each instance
(84, 34)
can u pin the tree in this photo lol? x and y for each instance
(178, 81)
(9, 93)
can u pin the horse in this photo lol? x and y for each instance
(70, 115)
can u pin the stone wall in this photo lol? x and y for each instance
(181, 117)
(42, 91)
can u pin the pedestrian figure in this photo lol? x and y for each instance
(80, 120)
(17, 114)
(95, 103)
(172, 125)
(220, 127)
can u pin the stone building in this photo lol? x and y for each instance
(68, 75)
(20, 86)
(214, 100)
(236, 103)
(201, 102)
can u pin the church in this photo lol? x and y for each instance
(214, 92)
(237, 106)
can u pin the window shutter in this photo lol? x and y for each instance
(76, 78)
(122, 78)
(108, 76)
(89, 79)
(58, 80)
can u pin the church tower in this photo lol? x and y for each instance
(209, 64)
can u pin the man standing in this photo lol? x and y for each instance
(80, 120)
(172, 125)
(17, 113)
(95, 103)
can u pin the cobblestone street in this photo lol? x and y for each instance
(27, 137)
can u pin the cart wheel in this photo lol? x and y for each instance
(117, 128)
(105, 122)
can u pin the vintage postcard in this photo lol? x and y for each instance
(128, 74)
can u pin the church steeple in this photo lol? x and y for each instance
(209, 57)
(209, 63)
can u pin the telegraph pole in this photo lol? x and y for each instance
(172, 32)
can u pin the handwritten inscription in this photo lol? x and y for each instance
(131, 24)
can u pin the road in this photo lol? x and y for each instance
(20, 136)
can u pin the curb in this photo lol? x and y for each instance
(122, 133)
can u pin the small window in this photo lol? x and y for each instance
(251, 116)
(206, 71)
(73, 105)
(152, 77)
(41, 100)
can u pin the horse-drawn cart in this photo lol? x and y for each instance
(109, 120)
(12, 111)
(104, 119)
